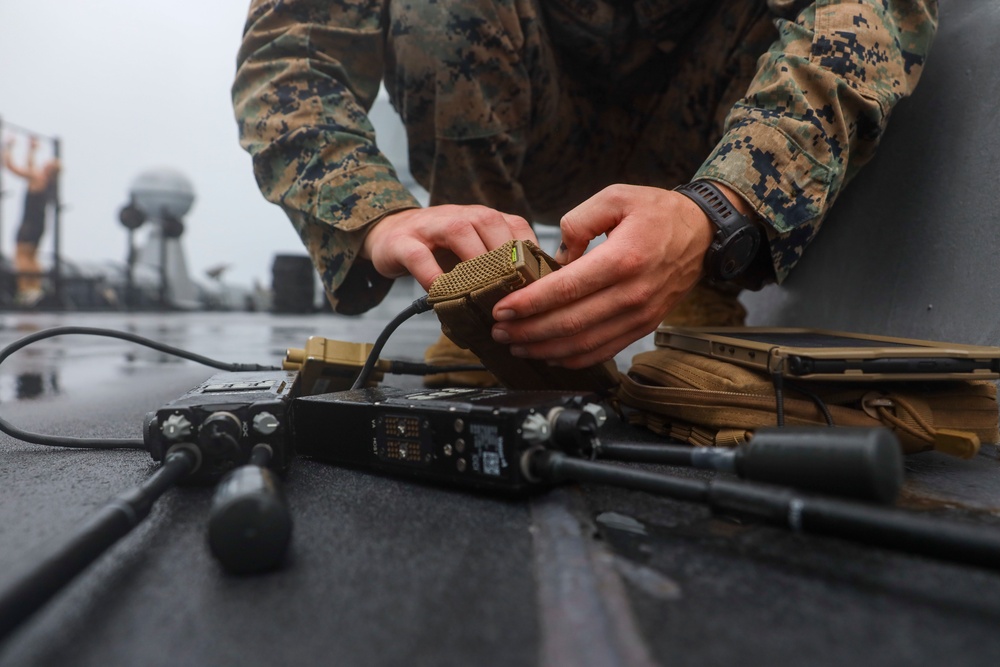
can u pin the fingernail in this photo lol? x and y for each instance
(518, 351)
(501, 336)
(504, 315)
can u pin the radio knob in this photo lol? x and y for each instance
(600, 414)
(536, 428)
(265, 423)
(176, 427)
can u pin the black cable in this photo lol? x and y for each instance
(261, 455)
(671, 455)
(105, 443)
(558, 467)
(419, 306)
(779, 398)
(820, 403)
(43, 577)
(860, 522)
(778, 380)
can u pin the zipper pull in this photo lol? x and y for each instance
(962, 444)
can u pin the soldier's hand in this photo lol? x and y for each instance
(601, 302)
(425, 242)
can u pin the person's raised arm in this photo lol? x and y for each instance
(816, 111)
(812, 116)
(307, 73)
(27, 172)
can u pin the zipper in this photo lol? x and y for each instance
(700, 380)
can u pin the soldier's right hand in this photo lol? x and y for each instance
(426, 242)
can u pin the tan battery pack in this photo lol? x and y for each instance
(464, 298)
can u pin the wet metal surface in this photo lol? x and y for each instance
(937, 480)
(388, 571)
(586, 620)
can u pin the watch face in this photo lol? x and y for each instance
(734, 247)
(737, 252)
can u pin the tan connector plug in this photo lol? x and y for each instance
(326, 365)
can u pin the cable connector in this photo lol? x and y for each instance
(326, 365)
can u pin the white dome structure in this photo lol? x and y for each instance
(165, 195)
(162, 192)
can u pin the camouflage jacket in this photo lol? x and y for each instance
(812, 115)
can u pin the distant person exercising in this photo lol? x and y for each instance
(41, 189)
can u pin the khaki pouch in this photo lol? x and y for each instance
(705, 401)
(463, 300)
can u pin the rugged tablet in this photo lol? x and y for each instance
(819, 354)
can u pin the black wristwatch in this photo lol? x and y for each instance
(737, 238)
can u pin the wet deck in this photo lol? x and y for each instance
(387, 571)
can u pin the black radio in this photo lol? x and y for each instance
(468, 437)
(222, 420)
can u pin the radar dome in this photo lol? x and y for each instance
(162, 192)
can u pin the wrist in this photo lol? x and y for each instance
(369, 241)
(736, 237)
(373, 232)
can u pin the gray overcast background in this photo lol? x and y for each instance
(129, 85)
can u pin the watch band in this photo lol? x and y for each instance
(736, 239)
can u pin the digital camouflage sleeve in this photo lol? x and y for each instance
(308, 71)
(817, 108)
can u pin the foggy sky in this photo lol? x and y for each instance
(130, 85)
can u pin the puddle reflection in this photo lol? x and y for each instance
(72, 363)
(32, 385)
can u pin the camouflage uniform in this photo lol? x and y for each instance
(531, 106)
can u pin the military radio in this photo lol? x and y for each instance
(475, 438)
(223, 419)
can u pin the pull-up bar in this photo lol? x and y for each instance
(7, 125)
